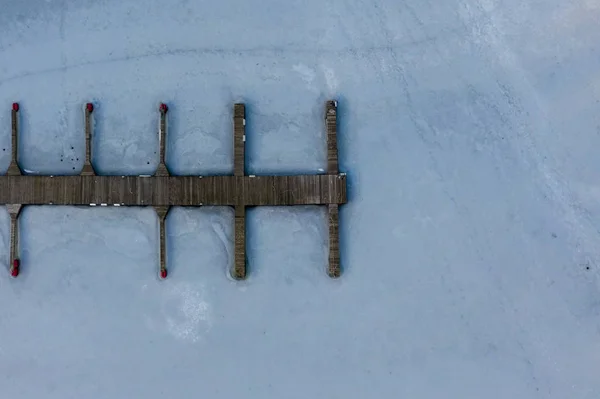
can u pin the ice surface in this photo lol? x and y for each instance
(469, 130)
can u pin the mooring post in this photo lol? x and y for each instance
(331, 125)
(239, 141)
(13, 168)
(239, 137)
(239, 268)
(333, 269)
(14, 209)
(162, 212)
(162, 138)
(88, 168)
(162, 170)
(15, 262)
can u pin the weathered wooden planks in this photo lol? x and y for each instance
(13, 168)
(241, 191)
(331, 127)
(239, 265)
(163, 190)
(88, 168)
(239, 139)
(162, 138)
(334, 269)
(15, 262)
(162, 212)
(14, 208)
(173, 190)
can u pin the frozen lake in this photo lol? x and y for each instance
(469, 130)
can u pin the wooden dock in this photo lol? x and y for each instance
(163, 190)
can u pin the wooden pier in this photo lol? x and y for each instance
(163, 190)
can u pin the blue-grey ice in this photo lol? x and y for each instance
(469, 130)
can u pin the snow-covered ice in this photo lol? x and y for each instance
(471, 249)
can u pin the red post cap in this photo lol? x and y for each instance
(163, 107)
(163, 273)
(15, 107)
(14, 271)
(89, 107)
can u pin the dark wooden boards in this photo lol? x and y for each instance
(163, 190)
(162, 139)
(239, 139)
(13, 168)
(331, 127)
(13, 211)
(334, 269)
(162, 211)
(243, 191)
(174, 190)
(239, 262)
(88, 169)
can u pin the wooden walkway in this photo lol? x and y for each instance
(163, 190)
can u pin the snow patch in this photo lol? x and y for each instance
(186, 313)
(330, 78)
(306, 73)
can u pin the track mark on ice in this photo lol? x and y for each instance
(353, 52)
(220, 233)
(533, 117)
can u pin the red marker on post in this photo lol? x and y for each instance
(15, 107)
(89, 107)
(163, 108)
(163, 273)
(14, 270)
